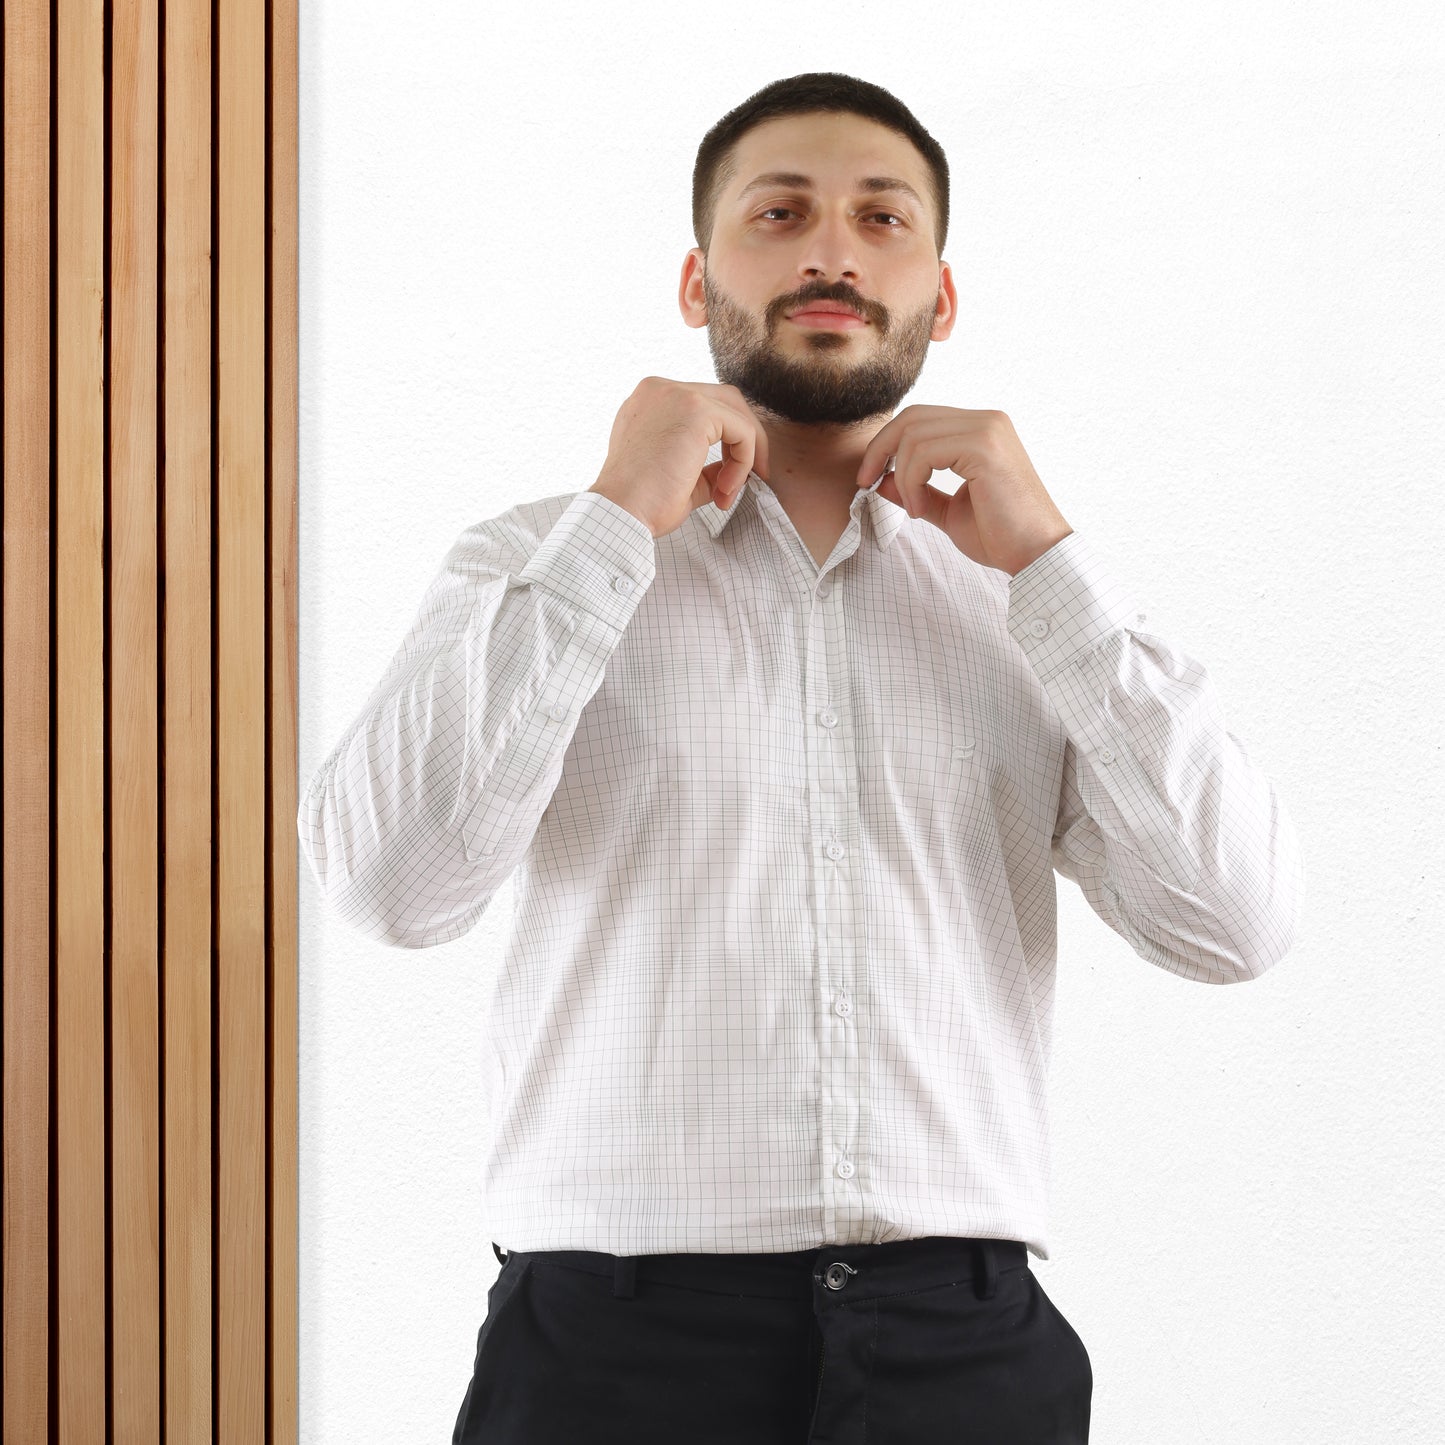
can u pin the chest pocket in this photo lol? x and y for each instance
(973, 784)
(964, 781)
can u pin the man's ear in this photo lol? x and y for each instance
(693, 313)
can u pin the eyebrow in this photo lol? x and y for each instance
(805, 183)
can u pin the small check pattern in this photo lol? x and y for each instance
(782, 966)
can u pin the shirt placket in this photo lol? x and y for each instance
(833, 824)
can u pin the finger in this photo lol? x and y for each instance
(762, 465)
(926, 500)
(709, 489)
(874, 462)
(879, 475)
(868, 473)
(739, 438)
(758, 460)
(909, 483)
(919, 456)
(729, 473)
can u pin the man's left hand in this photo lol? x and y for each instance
(1001, 517)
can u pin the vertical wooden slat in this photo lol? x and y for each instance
(282, 398)
(185, 381)
(25, 1414)
(241, 710)
(134, 790)
(79, 922)
(150, 790)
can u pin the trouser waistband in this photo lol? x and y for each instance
(847, 1272)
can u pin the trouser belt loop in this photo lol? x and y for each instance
(986, 1280)
(624, 1277)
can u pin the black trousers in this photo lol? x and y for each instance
(914, 1342)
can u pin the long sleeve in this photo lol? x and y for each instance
(432, 795)
(1176, 839)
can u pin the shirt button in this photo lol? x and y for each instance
(1039, 627)
(845, 1169)
(835, 851)
(1106, 755)
(843, 1006)
(828, 718)
(622, 584)
(557, 712)
(824, 587)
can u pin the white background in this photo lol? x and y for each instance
(1198, 253)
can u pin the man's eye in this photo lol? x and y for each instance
(787, 211)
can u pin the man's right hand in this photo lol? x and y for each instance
(654, 467)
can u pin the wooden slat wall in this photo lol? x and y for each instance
(149, 772)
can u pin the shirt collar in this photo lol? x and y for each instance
(887, 516)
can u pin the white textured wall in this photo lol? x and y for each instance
(1198, 257)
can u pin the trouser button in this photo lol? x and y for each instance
(836, 1275)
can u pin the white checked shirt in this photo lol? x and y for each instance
(782, 966)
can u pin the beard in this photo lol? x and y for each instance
(825, 383)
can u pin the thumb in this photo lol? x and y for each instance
(707, 483)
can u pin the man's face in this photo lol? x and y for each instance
(781, 245)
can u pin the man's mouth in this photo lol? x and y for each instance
(830, 320)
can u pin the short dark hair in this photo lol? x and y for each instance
(820, 90)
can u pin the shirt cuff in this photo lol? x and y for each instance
(1065, 602)
(598, 556)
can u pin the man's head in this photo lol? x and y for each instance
(819, 188)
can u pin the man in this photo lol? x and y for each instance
(788, 741)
